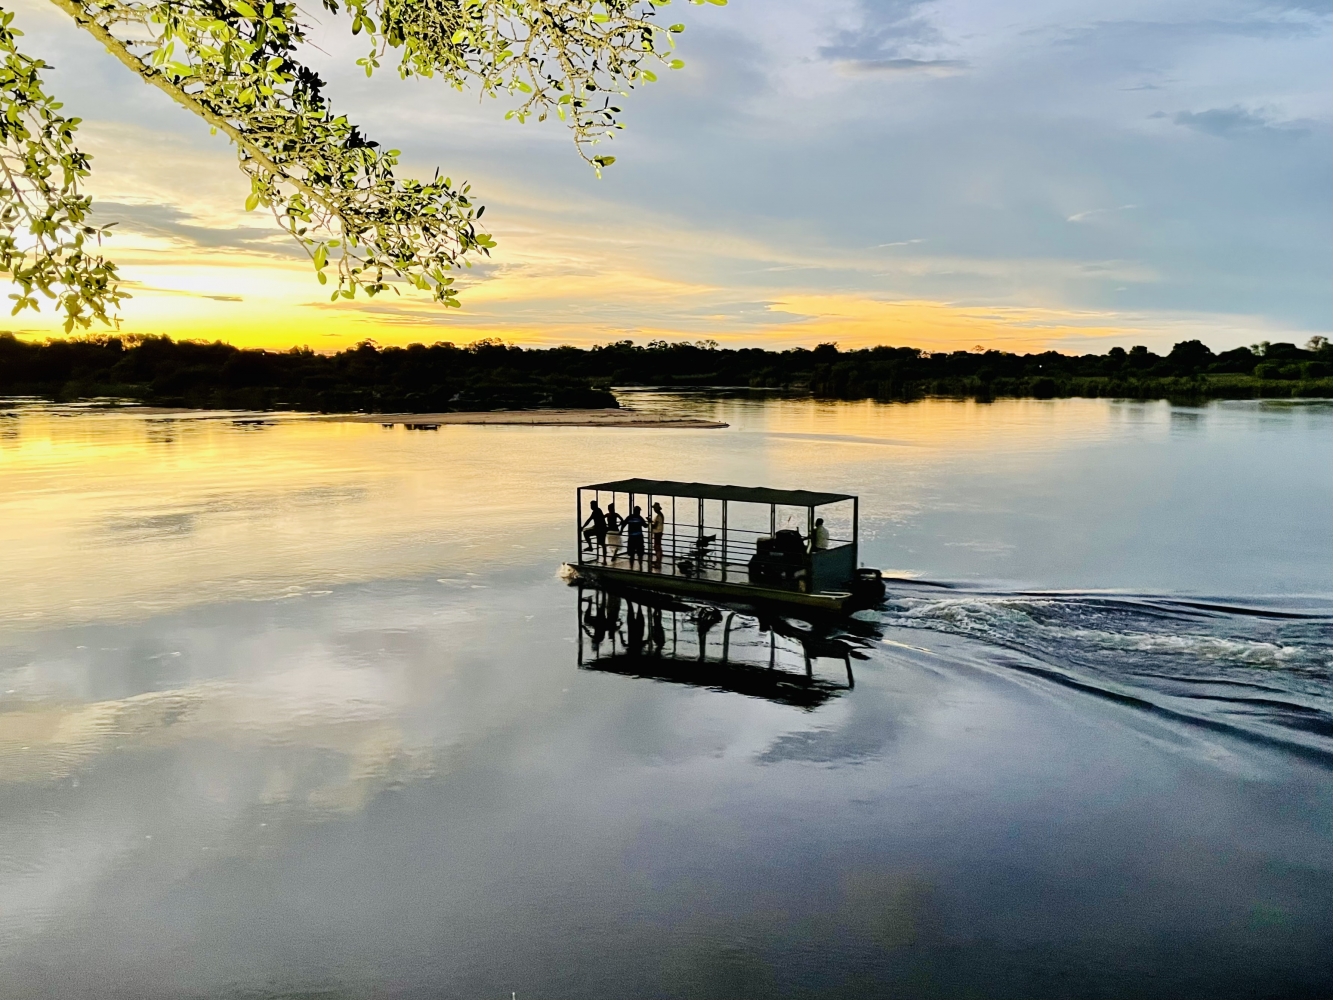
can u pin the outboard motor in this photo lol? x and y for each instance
(868, 587)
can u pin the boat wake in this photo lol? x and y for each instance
(1261, 669)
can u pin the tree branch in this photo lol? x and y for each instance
(159, 80)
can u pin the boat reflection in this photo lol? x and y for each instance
(655, 636)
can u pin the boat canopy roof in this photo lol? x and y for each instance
(708, 491)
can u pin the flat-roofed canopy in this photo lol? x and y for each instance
(708, 491)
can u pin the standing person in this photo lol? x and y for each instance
(658, 528)
(634, 525)
(613, 523)
(594, 529)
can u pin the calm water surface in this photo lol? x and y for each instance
(303, 708)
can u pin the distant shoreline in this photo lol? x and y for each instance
(488, 376)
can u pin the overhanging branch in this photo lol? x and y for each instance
(182, 97)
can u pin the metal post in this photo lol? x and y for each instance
(856, 532)
(724, 541)
(673, 555)
(578, 524)
(810, 545)
(772, 519)
(698, 545)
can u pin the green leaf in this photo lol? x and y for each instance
(252, 202)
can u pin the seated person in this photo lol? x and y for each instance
(819, 537)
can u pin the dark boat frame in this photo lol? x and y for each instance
(733, 564)
(668, 626)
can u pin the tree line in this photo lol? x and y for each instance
(488, 375)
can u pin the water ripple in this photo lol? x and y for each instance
(1255, 667)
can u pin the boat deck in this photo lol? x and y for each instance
(731, 583)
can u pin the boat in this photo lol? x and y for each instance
(735, 544)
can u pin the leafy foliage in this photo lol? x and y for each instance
(47, 245)
(236, 63)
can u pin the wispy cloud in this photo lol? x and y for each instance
(893, 38)
(1232, 121)
(1090, 213)
(139, 287)
(902, 67)
(168, 222)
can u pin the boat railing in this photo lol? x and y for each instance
(711, 554)
(731, 535)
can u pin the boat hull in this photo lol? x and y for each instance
(832, 602)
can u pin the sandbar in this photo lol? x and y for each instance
(534, 418)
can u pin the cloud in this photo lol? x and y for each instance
(859, 321)
(1227, 122)
(892, 38)
(171, 223)
(884, 27)
(902, 67)
(1274, 24)
(136, 287)
(1084, 216)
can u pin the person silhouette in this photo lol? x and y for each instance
(658, 528)
(613, 523)
(594, 529)
(634, 525)
(819, 538)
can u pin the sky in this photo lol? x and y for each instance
(946, 175)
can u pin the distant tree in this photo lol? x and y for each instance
(1190, 355)
(236, 64)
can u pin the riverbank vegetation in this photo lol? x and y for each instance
(491, 375)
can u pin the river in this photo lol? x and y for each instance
(293, 707)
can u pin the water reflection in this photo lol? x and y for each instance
(300, 710)
(766, 655)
